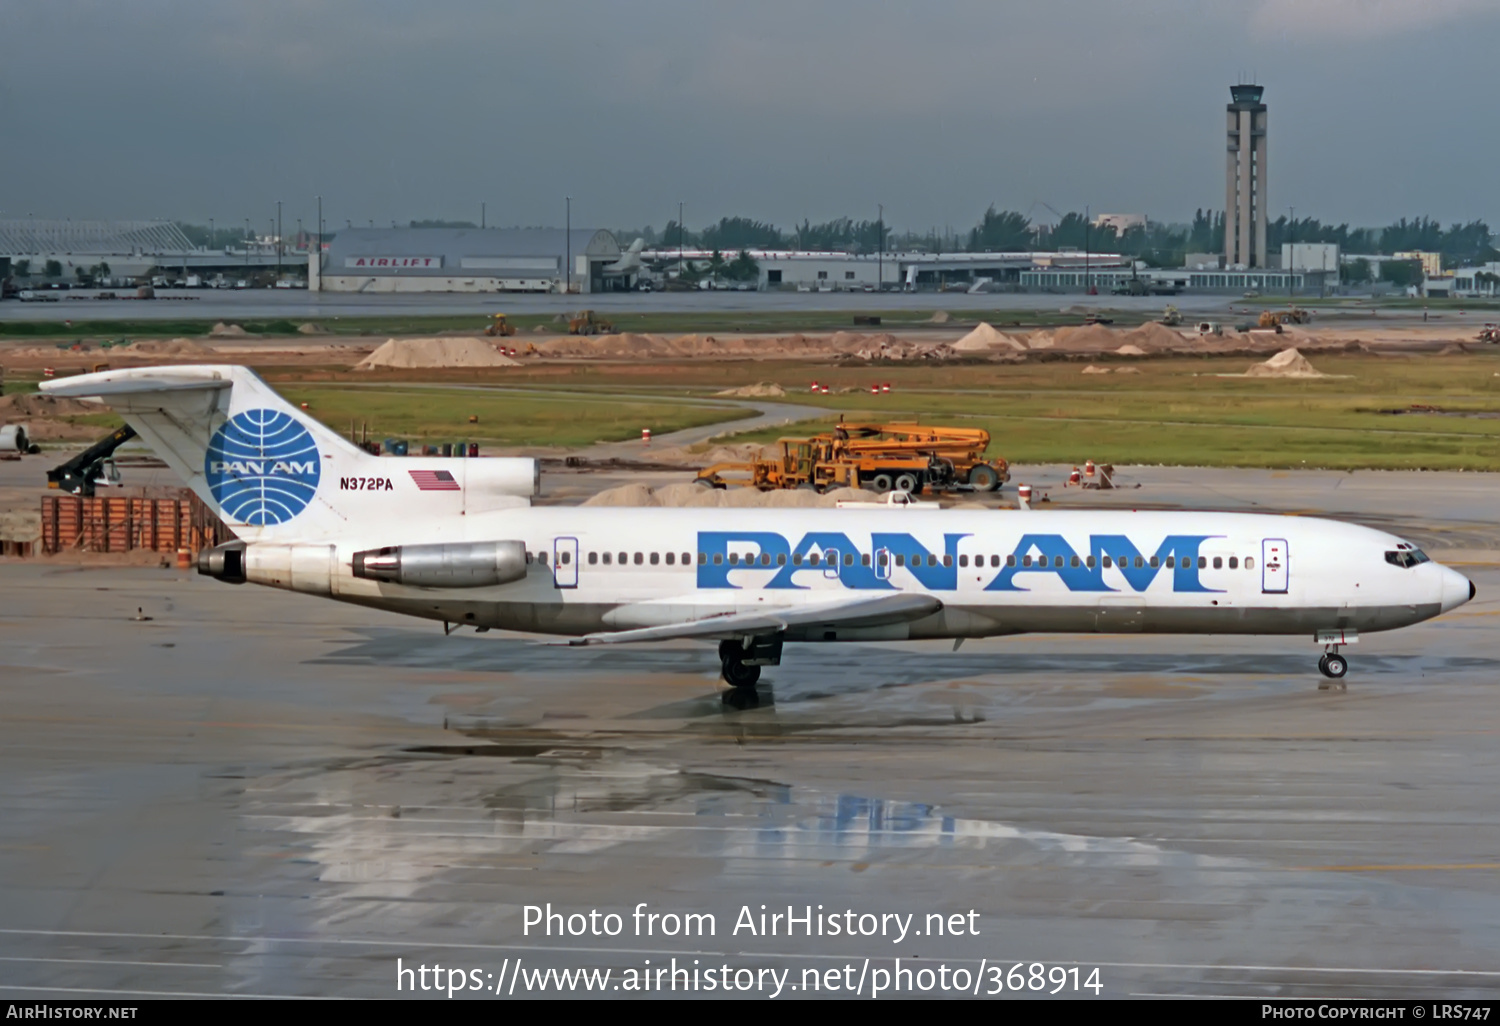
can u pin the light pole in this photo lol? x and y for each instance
(248, 236)
(320, 243)
(1291, 254)
(210, 233)
(481, 214)
(568, 245)
(1086, 282)
(278, 239)
(880, 259)
(679, 241)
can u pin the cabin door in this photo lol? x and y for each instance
(1274, 569)
(565, 562)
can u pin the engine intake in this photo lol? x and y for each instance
(460, 565)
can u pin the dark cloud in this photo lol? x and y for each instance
(776, 110)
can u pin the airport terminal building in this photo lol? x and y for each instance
(465, 260)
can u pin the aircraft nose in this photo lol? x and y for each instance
(1457, 589)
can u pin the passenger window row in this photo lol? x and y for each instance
(916, 559)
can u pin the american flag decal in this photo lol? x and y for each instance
(434, 480)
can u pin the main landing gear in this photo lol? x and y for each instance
(741, 662)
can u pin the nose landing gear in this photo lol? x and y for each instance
(1332, 665)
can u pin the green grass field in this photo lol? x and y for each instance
(1181, 412)
(433, 416)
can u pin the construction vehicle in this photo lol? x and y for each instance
(92, 467)
(585, 323)
(500, 327)
(1490, 333)
(878, 457)
(1171, 316)
(1276, 318)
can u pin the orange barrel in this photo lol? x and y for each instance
(1088, 468)
(184, 559)
(1024, 491)
(1073, 477)
(645, 436)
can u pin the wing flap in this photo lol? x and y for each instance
(853, 612)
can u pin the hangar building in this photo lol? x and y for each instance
(467, 260)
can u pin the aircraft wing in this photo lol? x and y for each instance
(852, 612)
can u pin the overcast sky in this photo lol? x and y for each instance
(773, 109)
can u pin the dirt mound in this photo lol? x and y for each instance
(1288, 363)
(311, 329)
(1091, 369)
(1088, 338)
(1039, 340)
(435, 352)
(940, 317)
(1127, 370)
(624, 495)
(1154, 337)
(761, 390)
(1129, 350)
(19, 405)
(986, 337)
(222, 330)
(174, 347)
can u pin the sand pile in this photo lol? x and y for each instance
(760, 390)
(1091, 369)
(1089, 337)
(222, 330)
(311, 329)
(435, 352)
(1129, 350)
(1127, 370)
(174, 347)
(940, 317)
(1154, 337)
(19, 405)
(1288, 363)
(1039, 340)
(986, 337)
(624, 495)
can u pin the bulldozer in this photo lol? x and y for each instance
(500, 327)
(585, 323)
(879, 457)
(1171, 316)
(1276, 318)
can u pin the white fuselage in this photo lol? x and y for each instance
(610, 569)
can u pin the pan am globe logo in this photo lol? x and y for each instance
(262, 467)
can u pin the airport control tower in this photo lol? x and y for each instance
(1245, 179)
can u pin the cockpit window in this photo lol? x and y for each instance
(1406, 557)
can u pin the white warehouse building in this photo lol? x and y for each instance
(469, 260)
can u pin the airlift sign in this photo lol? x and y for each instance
(367, 263)
(767, 560)
(262, 467)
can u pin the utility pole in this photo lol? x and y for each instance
(880, 260)
(481, 214)
(568, 244)
(247, 245)
(679, 240)
(278, 239)
(320, 243)
(210, 233)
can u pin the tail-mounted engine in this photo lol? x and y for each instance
(461, 565)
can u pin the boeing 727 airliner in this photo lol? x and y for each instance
(458, 541)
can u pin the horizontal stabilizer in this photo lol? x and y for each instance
(849, 613)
